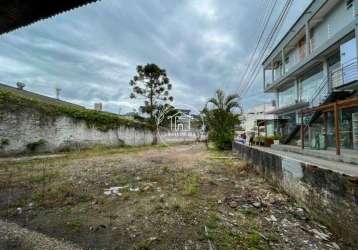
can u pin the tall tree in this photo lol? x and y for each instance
(227, 103)
(152, 83)
(221, 118)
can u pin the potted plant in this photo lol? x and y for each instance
(276, 139)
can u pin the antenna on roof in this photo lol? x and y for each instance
(58, 91)
(20, 85)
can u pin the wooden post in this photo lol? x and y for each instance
(336, 129)
(325, 128)
(302, 132)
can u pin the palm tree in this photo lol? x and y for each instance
(227, 103)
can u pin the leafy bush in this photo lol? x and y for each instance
(35, 145)
(221, 121)
(221, 126)
(4, 142)
(266, 140)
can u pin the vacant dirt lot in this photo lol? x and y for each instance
(180, 197)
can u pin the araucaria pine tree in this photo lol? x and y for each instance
(152, 84)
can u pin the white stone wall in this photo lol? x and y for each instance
(21, 128)
(28, 126)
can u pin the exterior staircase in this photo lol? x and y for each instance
(322, 95)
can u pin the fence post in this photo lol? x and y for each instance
(302, 132)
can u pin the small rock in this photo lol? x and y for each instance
(320, 235)
(151, 239)
(134, 189)
(19, 210)
(220, 201)
(246, 206)
(161, 198)
(257, 204)
(271, 219)
(233, 204)
(99, 227)
(300, 213)
(335, 245)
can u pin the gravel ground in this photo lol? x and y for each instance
(180, 197)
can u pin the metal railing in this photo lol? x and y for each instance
(345, 74)
(320, 94)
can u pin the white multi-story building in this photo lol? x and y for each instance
(315, 64)
(257, 120)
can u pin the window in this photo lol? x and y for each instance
(310, 84)
(287, 96)
(349, 4)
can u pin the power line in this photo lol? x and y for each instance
(268, 42)
(253, 54)
(272, 37)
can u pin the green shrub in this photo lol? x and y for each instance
(266, 140)
(4, 142)
(221, 126)
(35, 145)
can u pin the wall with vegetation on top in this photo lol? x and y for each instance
(31, 131)
(30, 125)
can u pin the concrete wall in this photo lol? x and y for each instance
(330, 197)
(21, 128)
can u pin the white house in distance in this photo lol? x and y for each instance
(181, 121)
(257, 120)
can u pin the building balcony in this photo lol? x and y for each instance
(317, 55)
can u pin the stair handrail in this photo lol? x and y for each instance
(319, 91)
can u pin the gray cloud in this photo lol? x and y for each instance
(92, 52)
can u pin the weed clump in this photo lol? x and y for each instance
(33, 146)
(191, 185)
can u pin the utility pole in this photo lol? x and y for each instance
(58, 91)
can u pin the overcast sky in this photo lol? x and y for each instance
(92, 52)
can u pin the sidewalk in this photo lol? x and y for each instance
(340, 167)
